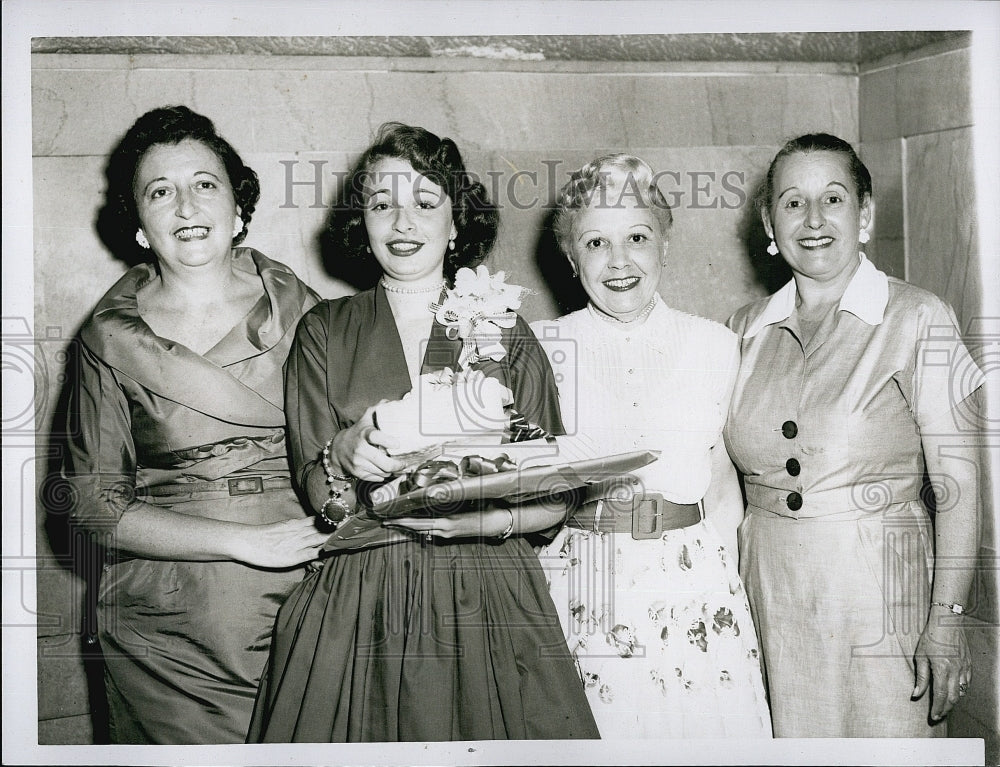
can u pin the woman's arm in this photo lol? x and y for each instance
(500, 520)
(101, 468)
(313, 421)
(723, 500)
(152, 532)
(942, 658)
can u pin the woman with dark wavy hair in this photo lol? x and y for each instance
(178, 456)
(449, 634)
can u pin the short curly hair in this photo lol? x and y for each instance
(168, 125)
(815, 142)
(628, 173)
(476, 219)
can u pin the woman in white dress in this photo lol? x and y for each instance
(645, 575)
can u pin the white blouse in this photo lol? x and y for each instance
(663, 385)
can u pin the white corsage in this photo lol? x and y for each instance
(476, 310)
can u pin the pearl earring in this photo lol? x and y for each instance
(237, 227)
(863, 236)
(140, 237)
(773, 248)
(451, 243)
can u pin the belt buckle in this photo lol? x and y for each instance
(647, 516)
(246, 485)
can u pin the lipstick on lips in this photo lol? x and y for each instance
(403, 247)
(188, 233)
(621, 284)
(815, 242)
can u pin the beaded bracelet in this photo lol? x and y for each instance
(336, 499)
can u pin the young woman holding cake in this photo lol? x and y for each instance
(449, 633)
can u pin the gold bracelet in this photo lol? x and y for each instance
(510, 528)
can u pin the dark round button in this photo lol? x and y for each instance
(792, 466)
(794, 501)
(789, 429)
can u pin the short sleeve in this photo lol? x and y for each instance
(944, 373)
(101, 458)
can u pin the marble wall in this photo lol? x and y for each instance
(712, 128)
(522, 126)
(916, 126)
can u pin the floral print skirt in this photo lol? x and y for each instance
(661, 633)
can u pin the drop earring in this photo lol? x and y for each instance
(451, 243)
(863, 238)
(773, 248)
(140, 237)
(237, 227)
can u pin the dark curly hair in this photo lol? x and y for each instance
(476, 219)
(816, 142)
(119, 218)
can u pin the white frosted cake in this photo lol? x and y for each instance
(445, 407)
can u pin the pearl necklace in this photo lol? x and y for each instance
(634, 321)
(411, 291)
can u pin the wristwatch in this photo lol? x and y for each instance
(953, 606)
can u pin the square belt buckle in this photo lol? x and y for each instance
(647, 516)
(246, 485)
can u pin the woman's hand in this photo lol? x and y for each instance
(943, 662)
(360, 451)
(465, 524)
(278, 544)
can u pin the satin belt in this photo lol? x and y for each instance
(250, 484)
(856, 501)
(644, 515)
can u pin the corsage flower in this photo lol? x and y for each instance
(476, 310)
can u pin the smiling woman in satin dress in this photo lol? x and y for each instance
(178, 456)
(839, 406)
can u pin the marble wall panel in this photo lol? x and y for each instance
(60, 668)
(86, 112)
(918, 96)
(889, 255)
(981, 702)
(311, 109)
(66, 731)
(884, 160)
(941, 232)
(772, 109)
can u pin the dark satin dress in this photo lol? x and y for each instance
(413, 641)
(184, 643)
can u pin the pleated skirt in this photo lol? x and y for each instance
(422, 642)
